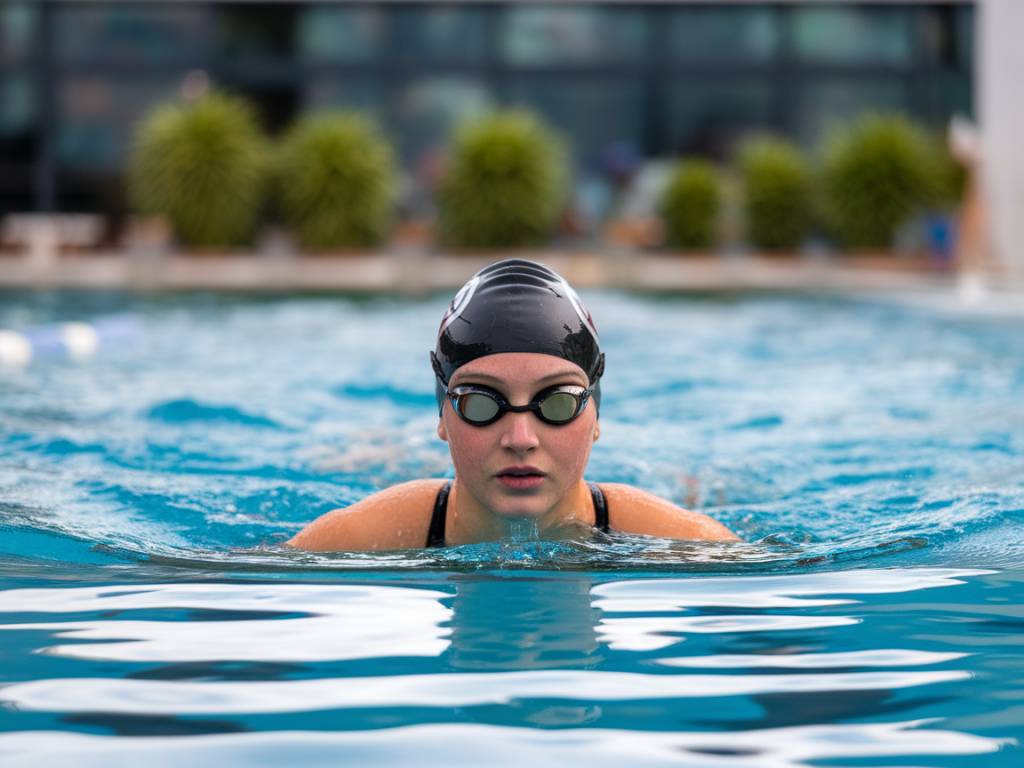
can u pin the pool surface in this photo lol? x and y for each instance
(870, 454)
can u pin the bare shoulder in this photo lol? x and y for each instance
(395, 518)
(635, 511)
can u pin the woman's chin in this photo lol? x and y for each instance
(519, 508)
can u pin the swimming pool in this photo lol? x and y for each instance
(869, 453)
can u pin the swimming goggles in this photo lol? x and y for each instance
(481, 406)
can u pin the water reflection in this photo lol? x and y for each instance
(319, 623)
(507, 665)
(161, 697)
(523, 623)
(470, 746)
(748, 598)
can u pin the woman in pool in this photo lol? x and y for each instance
(518, 366)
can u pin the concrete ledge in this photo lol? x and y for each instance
(419, 273)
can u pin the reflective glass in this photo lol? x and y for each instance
(965, 16)
(478, 407)
(17, 104)
(98, 117)
(731, 32)
(710, 118)
(852, 34)
(17, 28)
(428, 111)
(947, 35)
(342, 34)
(948, 94)
(533, 34)
(447, 33)
(158, 32)
(559, 407)
(595, 113)
(17, 139)
(343, 92)
(257, 30)
(938, 35)
(826, 105)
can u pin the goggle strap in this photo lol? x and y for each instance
(438, 371)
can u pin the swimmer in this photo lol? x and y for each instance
(518, 366)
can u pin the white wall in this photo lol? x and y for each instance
(1000, 109)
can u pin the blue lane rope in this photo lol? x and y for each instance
(75, 341)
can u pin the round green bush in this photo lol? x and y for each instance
(336, 182)
(204, 166)
(690, 205)
(505, 186)
(876, 176)
(777, 184)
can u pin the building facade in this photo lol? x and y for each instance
(633, 78)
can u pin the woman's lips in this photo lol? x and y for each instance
(520, 478)
(521, 482)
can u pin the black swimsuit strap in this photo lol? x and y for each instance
(600, 507)
(435, 536)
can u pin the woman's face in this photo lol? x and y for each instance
(483, 455)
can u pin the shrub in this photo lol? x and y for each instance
(336, 182)
(777, 183)
(875, 177)
(505, 185)
(204, 167)
(690, 205)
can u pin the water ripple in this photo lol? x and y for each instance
(467, 689)
(450, 746)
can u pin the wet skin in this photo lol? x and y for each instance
(487, 497)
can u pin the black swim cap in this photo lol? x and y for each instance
(516, 306)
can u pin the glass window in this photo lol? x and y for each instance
(965, 37)
(746, 33)
(948, 94)
(343, 92)
(17, 28)
(534, 34)
(255, 30)
(17, 140)
(452, 33)
(98, 117)
(342, 34)
(591, 114)
(428, 111)
(710, 118)
(828, 104)
(17, 104)
(155, 33)
(845, 34)
(938, 35)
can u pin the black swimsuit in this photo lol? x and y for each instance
(435, 536)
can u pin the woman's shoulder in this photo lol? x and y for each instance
(632, 510)
(397, 517)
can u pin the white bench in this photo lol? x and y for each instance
(43, 235)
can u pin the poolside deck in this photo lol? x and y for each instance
(417, 272)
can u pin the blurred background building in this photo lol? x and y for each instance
(622, 81)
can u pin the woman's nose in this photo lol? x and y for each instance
(519, 434)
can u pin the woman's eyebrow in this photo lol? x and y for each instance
(483, 377)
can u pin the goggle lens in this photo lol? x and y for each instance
(478, 407)
(559, 407)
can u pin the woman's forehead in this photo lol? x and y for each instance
(513, 368)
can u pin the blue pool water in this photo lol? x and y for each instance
(870, 454)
